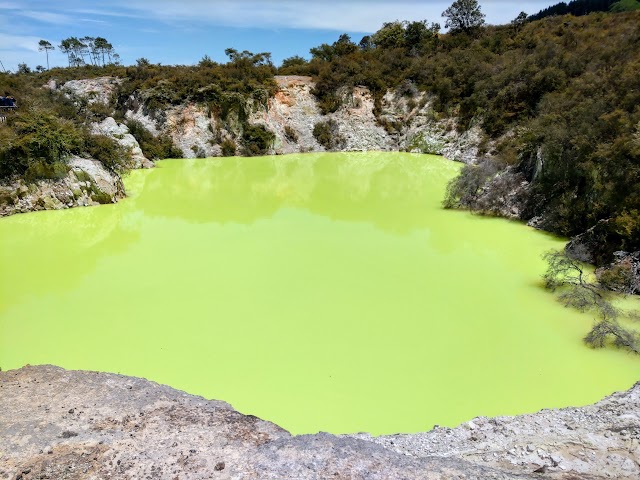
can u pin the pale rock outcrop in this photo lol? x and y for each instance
(358, 125)
(86, 183)
(293, 107)
(93, 90)
(422, 130)
(120, 133)
(192, 131)
(591, 442)
(404, 124)
(148, 122)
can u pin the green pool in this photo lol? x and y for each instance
(320, 291)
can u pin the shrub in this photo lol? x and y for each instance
(154, 148)
(327, 135)
(463, 190)
(256, 140)
(37, 137)
(40, 170)
(290, 134)
(228, 147)
(109, 152)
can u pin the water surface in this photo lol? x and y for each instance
(322, 292)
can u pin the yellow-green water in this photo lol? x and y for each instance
(321, 291)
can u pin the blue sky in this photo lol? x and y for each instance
(182, 32)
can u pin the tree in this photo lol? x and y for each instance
(391, 35)
(294, 61)
(518, 22)
(463, 16)
(23, 69)
(366, 43)
(344, 45)
(419, 36)
(46, 46)
(206, 61)
(569, 275)
(295, 65)
(100, 48)
(143, 62)
(75, 50)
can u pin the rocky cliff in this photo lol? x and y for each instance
(62, 424)
(404, 122)
(86, 183)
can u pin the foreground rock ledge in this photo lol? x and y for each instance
(60, 424)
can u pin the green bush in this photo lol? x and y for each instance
(109, 152)
(256, 140)
(36, 138)
(41, 170)
(327, 135)
(290, 134)
(154, 148)
(228, 147)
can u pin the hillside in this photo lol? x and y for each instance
(585, 7)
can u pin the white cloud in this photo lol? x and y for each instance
(46, 17)
(19, 42)
(347, 15)
(121, 12)
(23, 49)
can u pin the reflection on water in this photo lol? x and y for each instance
(49, 252)
(388, 192)
(322, 291)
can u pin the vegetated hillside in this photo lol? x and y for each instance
(585, 7)
(49, 125)
(558, 99)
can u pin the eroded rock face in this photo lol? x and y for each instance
(405, 123)
(192, 131)
(86, 183)
(77, 425)
(93, 90)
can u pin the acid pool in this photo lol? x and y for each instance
(322, 292)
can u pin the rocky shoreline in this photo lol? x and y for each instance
(87, 183)
(61, 424)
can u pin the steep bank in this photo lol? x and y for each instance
(291, 114)
(77, 425)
